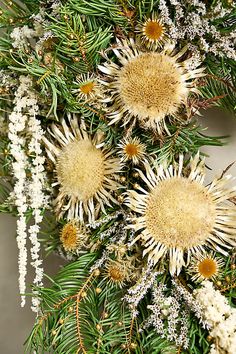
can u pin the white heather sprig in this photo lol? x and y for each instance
(104, 220)
(37, 198)
(17, 123)
(140, 289)
(190, 301)
(195, 23)
(169, 315)
(220, 316)
(159, 308)
(100, 262)
(117, 234)
(28, 192)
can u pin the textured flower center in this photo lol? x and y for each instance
(116, 274)
(69, 237)
(153, 30)
(150, 85)
(87, 88)
(180, 213)
(80, 169)
(131, 150)
(207, 267)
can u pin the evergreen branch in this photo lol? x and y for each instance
(184, 139)
(78, 327)
(232, 286)
(129, 340)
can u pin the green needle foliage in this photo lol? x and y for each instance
(87, 316)
(84, 313)
(81, 31)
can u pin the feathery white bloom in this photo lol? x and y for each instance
(220, 316)
(36, 197)
(20, 35)
(28, 192)
(17, 149)
(196, 23)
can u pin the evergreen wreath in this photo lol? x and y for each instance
(101, 163)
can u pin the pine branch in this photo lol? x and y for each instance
(76, 318)
(184, 139)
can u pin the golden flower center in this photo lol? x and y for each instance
(153, 30)
(80, 169)
(151, 86)
(207, 267)
(179, 213)
(131, 150)
(69, 237)
(87, 88)
(115, 274)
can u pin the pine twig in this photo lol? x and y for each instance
(81, 343)
(179, 350)
(232, 286)
(130, 332)
(226, 169)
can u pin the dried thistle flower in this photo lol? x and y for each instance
(87, 87)
(205, 266)
(73, 236)
(152, 32)
(131, 149)
(118, 272)
(179, 215)
(147, 86)
(86, 173)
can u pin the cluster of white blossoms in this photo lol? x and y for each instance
(37, 199)
(193, 21)
(165, 315)
(140, 289)
(28, 191)
(22, 35)
(17, 121)
(220, 317)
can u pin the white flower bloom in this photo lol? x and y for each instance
(28, 192)
(220, 316)
(195, 23)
